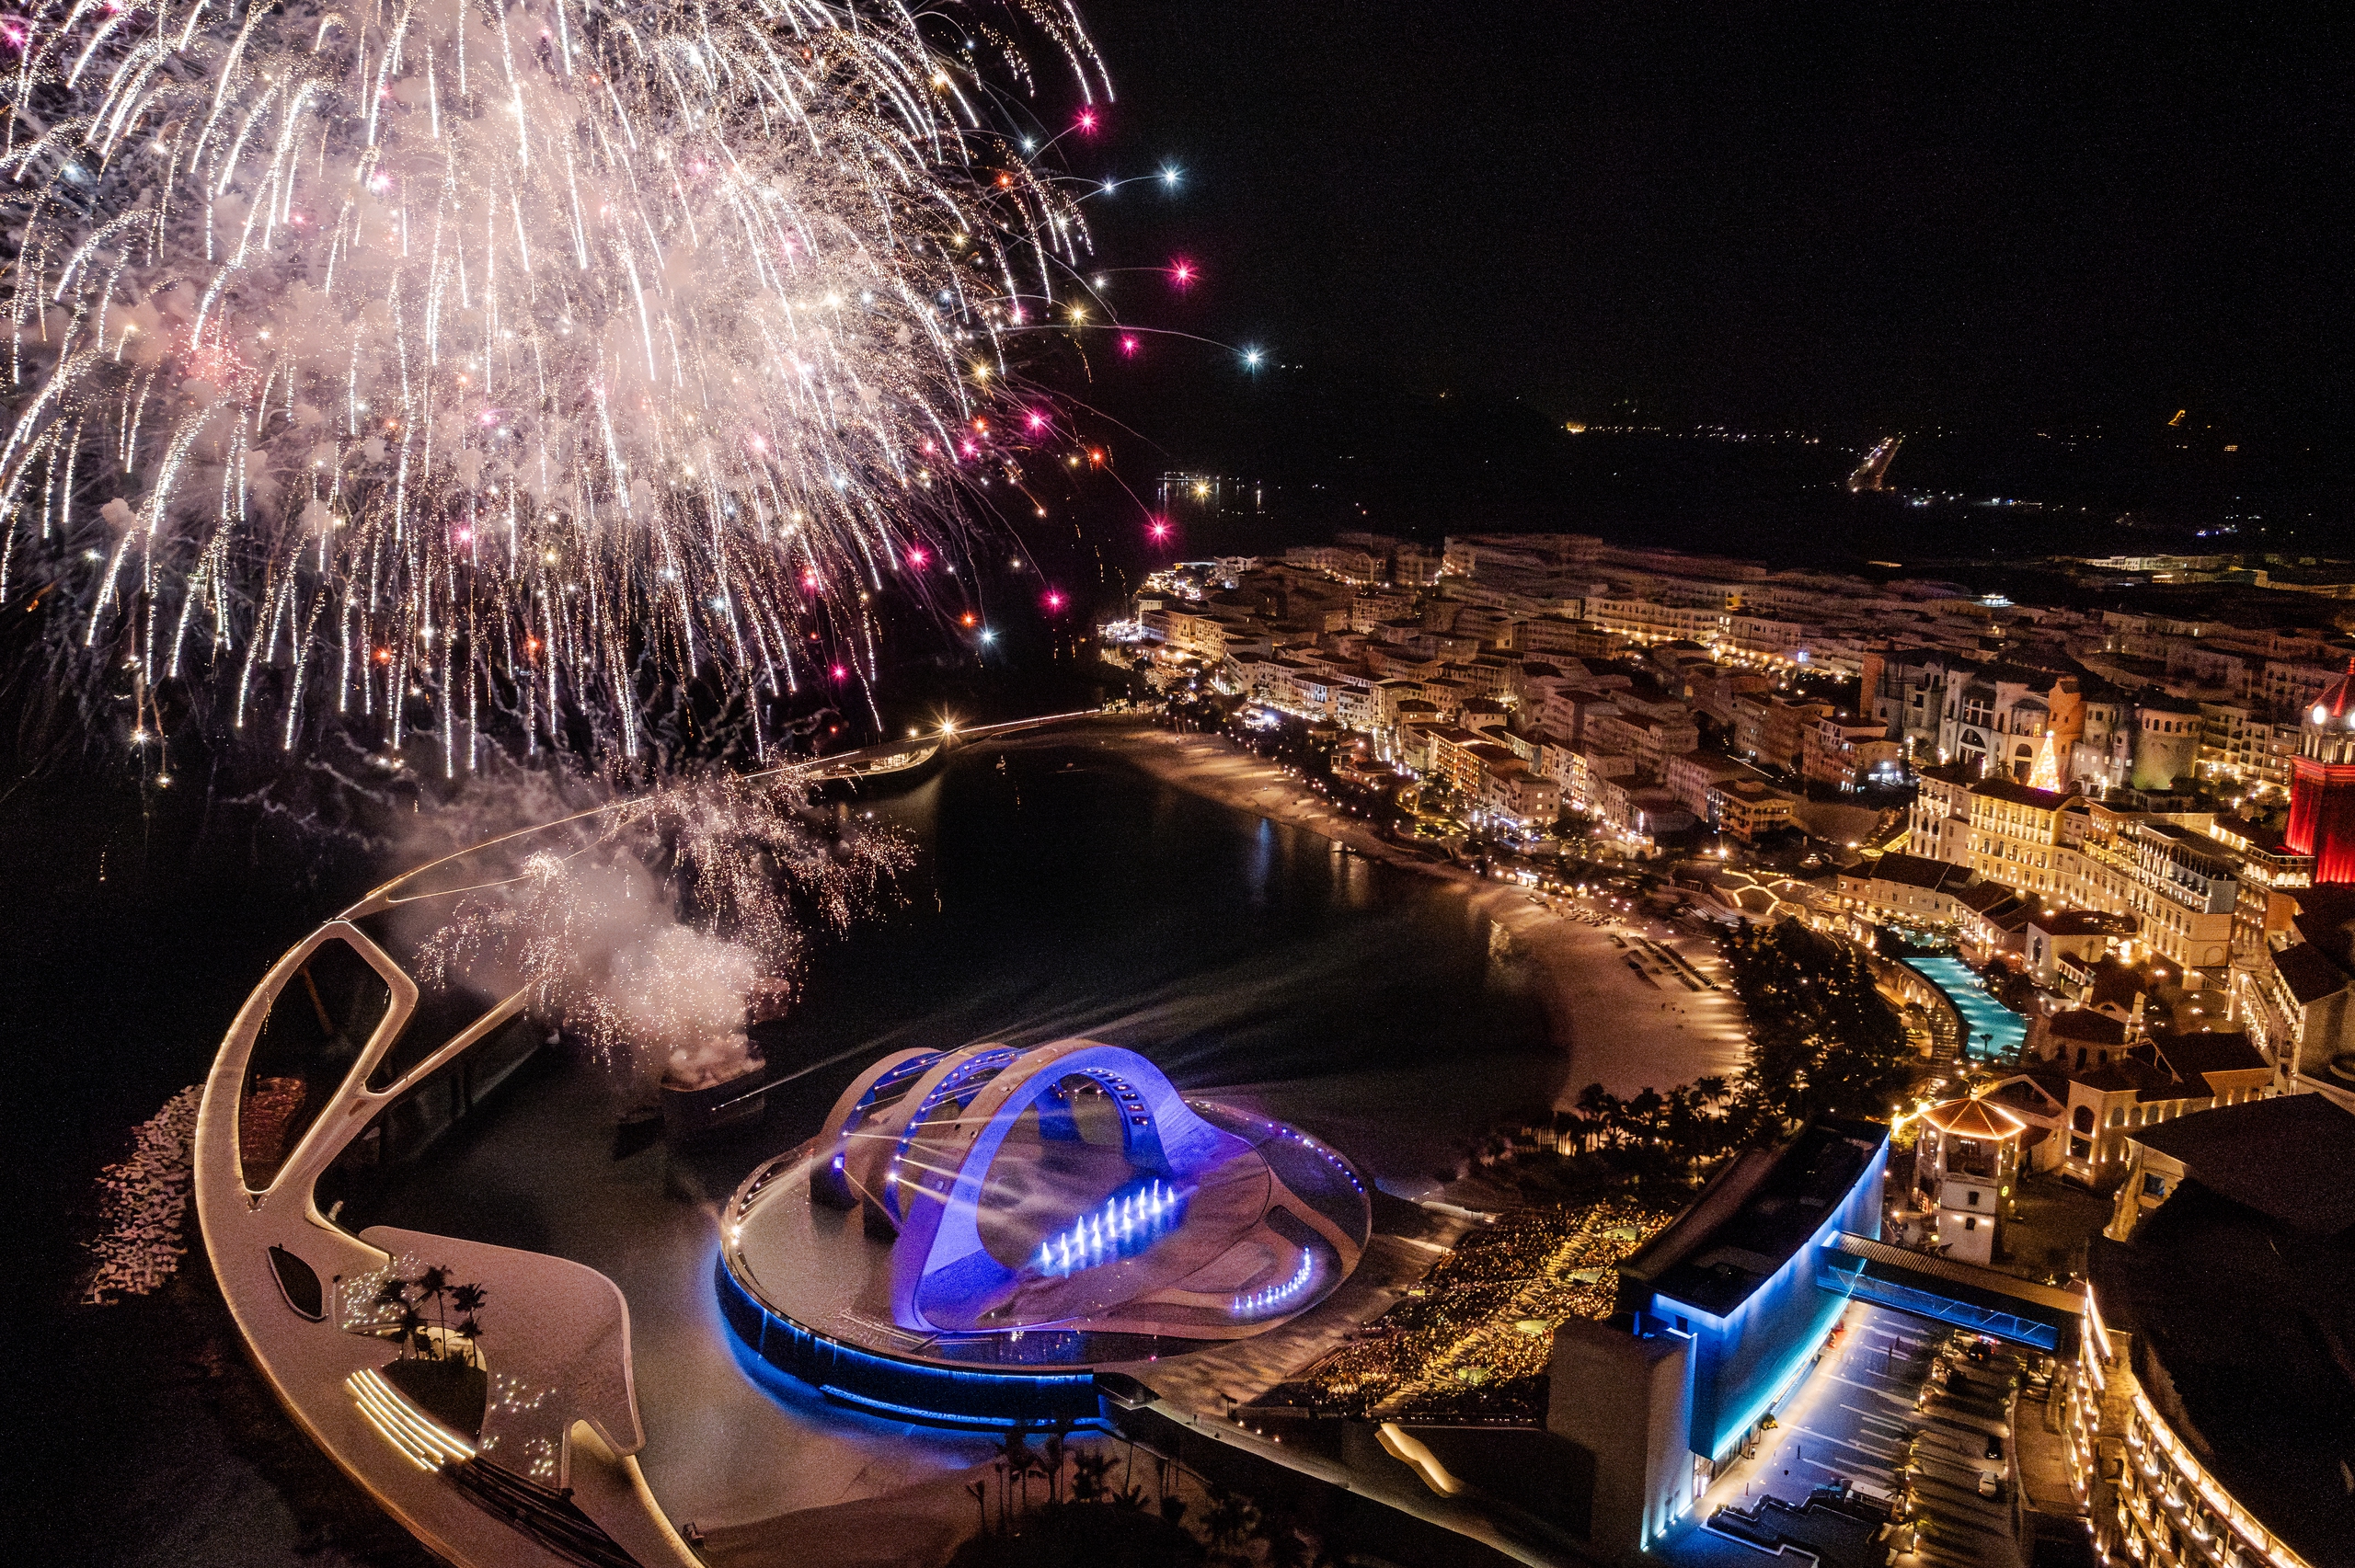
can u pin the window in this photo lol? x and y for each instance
(2154, 1186)
(1972, 1198)
(1971, 1222)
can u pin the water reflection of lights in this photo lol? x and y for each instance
(1274, 1296)
(1127, 1224)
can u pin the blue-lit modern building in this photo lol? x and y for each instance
(1719, 1317)
(977, 1235)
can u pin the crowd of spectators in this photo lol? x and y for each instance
(1472, 1341)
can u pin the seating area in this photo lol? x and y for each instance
(1472, 1342)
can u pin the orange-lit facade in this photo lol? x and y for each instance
(2150, 1503)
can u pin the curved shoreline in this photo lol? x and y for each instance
(1613, 1025)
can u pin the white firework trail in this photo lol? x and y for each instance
(458, 368)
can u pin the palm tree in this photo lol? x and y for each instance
(433, 1286)
(980, 1490)
(1052, 1462)
(1088, 1469)
(392, 1293)
(1020, 1462)
(1038, 1467)
(1230, 1520)
(1285, 1548)
(468, 1301)
(412, 1327)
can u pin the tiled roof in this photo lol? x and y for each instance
(2287, 1158)
(2196, 1053)
(1973, 1118)
(2309, 975)
(2092, 1028)
(1914, 871)
(2018, 793)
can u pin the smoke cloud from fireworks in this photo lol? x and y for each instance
(688, 914)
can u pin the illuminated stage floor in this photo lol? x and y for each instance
(1265, 1236)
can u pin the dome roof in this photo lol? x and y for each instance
(1973, 1118)
(2333, 709)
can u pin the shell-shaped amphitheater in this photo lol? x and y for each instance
(975, 1232)
(979, 1236)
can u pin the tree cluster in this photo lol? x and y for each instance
(1823, 1041)
(1097, 1510)
(1651, 1133)
(407, 1300)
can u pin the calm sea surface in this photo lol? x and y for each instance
(1067, 894)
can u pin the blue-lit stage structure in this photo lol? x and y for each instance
(1741, 1272)
(1721, 1314)
(976, 1234)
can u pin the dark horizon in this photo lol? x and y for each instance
(2006, 217)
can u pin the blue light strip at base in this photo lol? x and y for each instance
(900, 1389)
(939, 1417)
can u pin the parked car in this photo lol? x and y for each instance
(1994, 1445)
(1987, 1485)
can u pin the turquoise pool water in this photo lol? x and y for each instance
(1983, 1015)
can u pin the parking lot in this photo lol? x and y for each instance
(1901, 1414)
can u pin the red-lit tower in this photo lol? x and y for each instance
(2322, 784)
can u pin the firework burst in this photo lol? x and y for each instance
(458, 368)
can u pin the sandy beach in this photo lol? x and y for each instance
(1628, 1002)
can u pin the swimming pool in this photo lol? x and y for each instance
(1983, 1015)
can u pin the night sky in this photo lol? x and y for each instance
(2083, 215)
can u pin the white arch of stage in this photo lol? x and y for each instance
(912, 1140)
